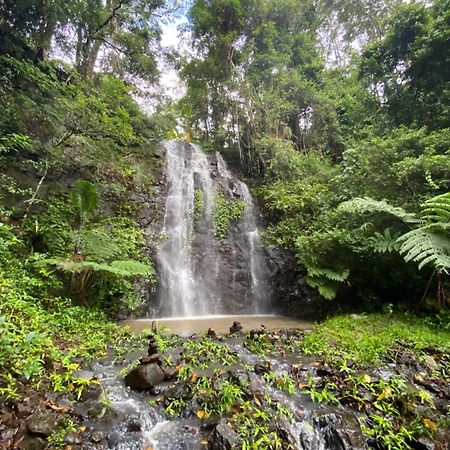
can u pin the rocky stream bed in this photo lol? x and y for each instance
(255, 390)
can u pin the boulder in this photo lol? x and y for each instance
(341, 432)
(145, 376)
(236, 327)
(42, 423)
(224, 438)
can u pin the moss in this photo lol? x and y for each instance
(225, 212)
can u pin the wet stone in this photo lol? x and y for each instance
(134, 425)
(170, 372)
(97, 436)
(236, 327)
(144, 377)
(91, 392)
(32, 443)
(152, 359)
(72, 438)
(211, 333)
(42, 423)
(341, 432)
(24, 409)
(223, 438)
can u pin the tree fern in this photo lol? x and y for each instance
(122, 268)
(97, 245)
(429, 244)
(437, 209)
(426, 248)
(369, 205)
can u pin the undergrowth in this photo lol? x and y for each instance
(367, 339)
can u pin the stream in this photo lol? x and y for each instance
(129, 419)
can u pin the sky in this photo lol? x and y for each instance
(170, 80)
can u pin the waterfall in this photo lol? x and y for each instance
(198, 273)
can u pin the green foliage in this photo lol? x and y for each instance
(326, 281)
(430, 243)
(225, 213)
(364, 205)
(100, 256)
(57, 438)
(365, 339)
(198, 205)
(36, 338)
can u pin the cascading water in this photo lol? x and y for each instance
(199, 273)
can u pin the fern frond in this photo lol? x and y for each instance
(369, 205)
(131, 268)
(98, 246)
(386, 242)
(328, 273)
(326, 289)
(62, 264)
(125, 268)
(437, 209)
(425, 247)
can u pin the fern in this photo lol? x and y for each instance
(386, 242)
(369, 205)
(437, 209)
(125, 268)
(426, 248)
(326, 281)
(98, 245)
(429, 244)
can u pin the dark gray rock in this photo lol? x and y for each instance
(43, 423)
(91, 392)
(224, 438)
(341, 432)
(152, 359)
(170, 373)
(72, 438)
(145, 377)
(33, 443)
(291, 295)
(236, 327)
(97, 436)
(24, 409)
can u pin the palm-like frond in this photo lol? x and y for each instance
(425, 247)
(98, 245)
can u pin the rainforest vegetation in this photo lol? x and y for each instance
(336, 113)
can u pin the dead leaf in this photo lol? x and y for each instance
(194, 378)
(202, 415)
(56, 408)
(430, 424)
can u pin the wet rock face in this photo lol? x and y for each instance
(145, 376)
(198, 272)
(291, 294)
(341, 432)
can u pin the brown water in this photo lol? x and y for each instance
(185, 326)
